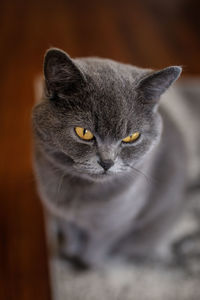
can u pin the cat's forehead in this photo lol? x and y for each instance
(110, 120)
(111, 99)
(109, 105)
(105, 71)
(111, 83)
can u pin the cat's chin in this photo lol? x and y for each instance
(104, 176)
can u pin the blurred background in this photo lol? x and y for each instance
(147, 33)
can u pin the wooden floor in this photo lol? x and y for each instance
(149, 33)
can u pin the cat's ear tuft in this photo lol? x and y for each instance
(153, 85)
(61, 73)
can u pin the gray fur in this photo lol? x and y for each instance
(128, 210)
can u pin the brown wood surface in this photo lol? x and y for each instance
(149, 33)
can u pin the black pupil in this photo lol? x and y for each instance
(84, 131)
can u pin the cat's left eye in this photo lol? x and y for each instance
(131, 138)
(84, 133)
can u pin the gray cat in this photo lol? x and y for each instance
(110, 164)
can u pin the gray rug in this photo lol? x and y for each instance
(179, 280)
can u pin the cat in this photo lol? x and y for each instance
(109, 161)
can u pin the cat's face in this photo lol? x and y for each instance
(100, 118)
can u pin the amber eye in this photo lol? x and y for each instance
(83, 133)
(131, 138)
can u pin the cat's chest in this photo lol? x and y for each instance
(109, 209)
(109, 213)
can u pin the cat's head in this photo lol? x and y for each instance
(99, 117)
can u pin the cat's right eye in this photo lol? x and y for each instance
(83, 133)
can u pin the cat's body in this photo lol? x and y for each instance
(125, 209)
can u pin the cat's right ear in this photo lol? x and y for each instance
(61, 73)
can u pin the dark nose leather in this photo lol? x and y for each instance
(106, 164)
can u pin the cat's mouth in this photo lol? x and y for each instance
(101, 176)
(104, 175)
(96, 174)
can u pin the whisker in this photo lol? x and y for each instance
(148, 179)
(59, 186)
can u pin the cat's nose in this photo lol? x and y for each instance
(106, 164)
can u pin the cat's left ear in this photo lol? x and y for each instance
(153, 85)
(61, 73)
